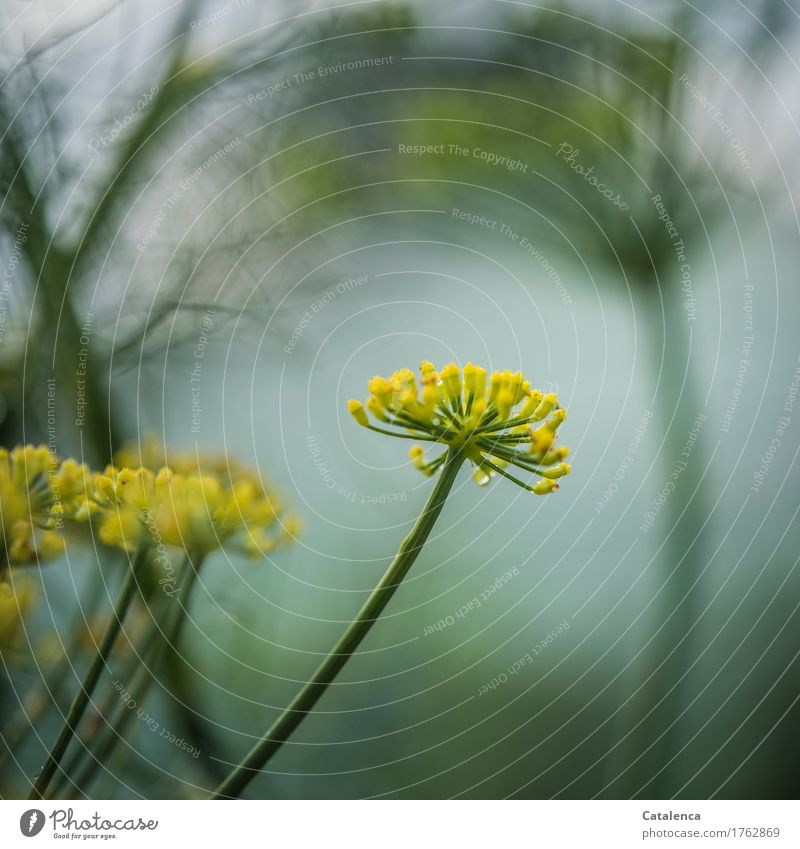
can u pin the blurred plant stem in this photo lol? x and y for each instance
(49, 269)
(344, 649)
(677, 407)
(654, 737)
(80, 702)
(58, 269)
(144, 674)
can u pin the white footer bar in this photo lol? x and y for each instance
(404, 824)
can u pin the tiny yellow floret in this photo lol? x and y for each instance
(358, 412)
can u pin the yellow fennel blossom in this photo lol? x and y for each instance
(254, 512)
(496, 420)
(196, 512)
(152, 453)
(38, 493)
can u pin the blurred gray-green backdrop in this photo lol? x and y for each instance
(244, 211)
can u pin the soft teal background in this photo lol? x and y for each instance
(678, 674)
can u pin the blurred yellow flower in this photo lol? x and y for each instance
(199, 504)
(37, 494)
(212, 502)
(496, 421)
(152, 453)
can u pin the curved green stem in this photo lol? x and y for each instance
(81, 700)
(305, 700)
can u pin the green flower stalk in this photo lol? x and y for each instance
(161, 641)
(493, 425)
(81, 700)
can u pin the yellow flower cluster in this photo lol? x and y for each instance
(152, 453)
(38, 493)
(496, 420)
(198, 503)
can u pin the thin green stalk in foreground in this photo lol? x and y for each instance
(304, 702)
(142, 679)
(81, 700)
